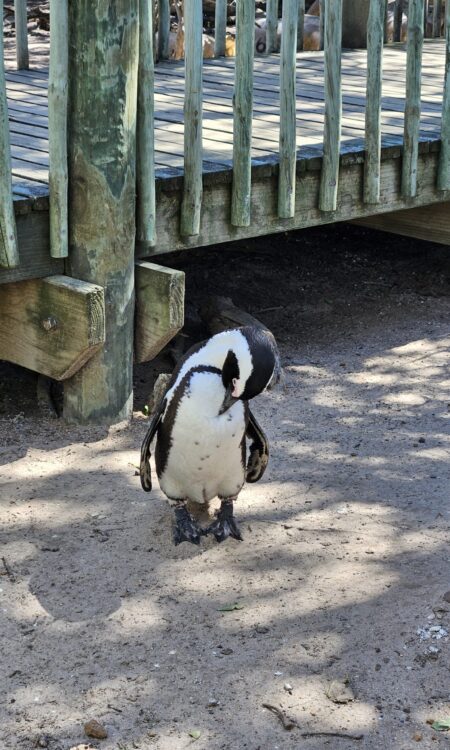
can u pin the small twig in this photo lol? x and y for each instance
(286, 721)
(333, 734)
(113, 708)
(8, 571)
(289, 723)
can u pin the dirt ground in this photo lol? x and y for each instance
(344, 571)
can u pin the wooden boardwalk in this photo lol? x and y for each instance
(27, 101)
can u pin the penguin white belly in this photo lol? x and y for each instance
(205, 456)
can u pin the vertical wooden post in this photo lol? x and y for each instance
(9, 254)
(373, 101)
(104, 40)
(321, 23)
(300, 24)
(425, 18)
(333, 106)
(398, 19)
(443, 179)
(412, 103)
(20, 19)
(57, 128)
(288, 150)
(437, 13)
(271, 26)
(163, 29)
(354, 22)
(243, 113)
(192, 189)
(220, 28)
(145, 142)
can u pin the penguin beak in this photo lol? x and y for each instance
(228, 401)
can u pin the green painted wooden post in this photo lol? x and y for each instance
(20, 19)
(220, 28)
(243, 112)
(163, 29)
(192, 190)
(333, 106)
(271, 26)
(437, 13)
(375, 35)
(103, 72)
(412, 104)
(288, 150)
(443, 177)
(145, 137)
(57, 128)
(300, 24)
(398, 19)
(9, 254)
(321, 23)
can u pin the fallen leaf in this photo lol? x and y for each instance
(195, 734)
(230, 607)
(441, 725)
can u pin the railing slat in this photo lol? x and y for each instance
(192, 190)
(333, 106)
(57, 128)
(398, 18)
(288, 150)
(443, 179)
(163, 29)
(412, 103)
(271, 25)
(9, 254)
(220, 26)
(321, 23)
(437, 13)
(300, 24)
(20, 19)
(243, 112)
(145, 163)
(375, 35)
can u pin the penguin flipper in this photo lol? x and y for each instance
(144, 467)
(258, 451)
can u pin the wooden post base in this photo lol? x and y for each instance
(53, 325)
(430, 223)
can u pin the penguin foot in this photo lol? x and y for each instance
(225, 524)
(185, 528)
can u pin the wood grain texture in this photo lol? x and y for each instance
(288, 145)
(333, 106)
(373, 101)
(412, 101)
(220, 27)
(145, 136)
(52, 326)
(272, 26)
(163, 29)
(159, 308)
(57, 126)
(20, 17)
(9, 251)
(243, 113)
(431, 223)
(193, 102)
(443, 178)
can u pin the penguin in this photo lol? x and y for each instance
(202, 423)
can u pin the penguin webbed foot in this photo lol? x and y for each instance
(225, 524)
(185, 528)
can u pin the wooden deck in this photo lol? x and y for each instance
(27, 99)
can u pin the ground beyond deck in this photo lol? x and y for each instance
(27, 98)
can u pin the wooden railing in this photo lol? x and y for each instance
(240, 211)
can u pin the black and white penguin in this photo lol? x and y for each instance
(202, 423)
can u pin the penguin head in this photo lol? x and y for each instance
(251, 365)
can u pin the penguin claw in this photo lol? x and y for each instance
(185, 528)
(225, 524)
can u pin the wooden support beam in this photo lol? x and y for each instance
(20, 19)
(159, 308)
(443, 178)
(430, 223)
(288, 139)
(52, 326)
(104, 41)
(373, 101)
(412, 103)
(243, 114)
(333, 106)
(145, 163)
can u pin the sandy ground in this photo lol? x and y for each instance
(345, 563)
